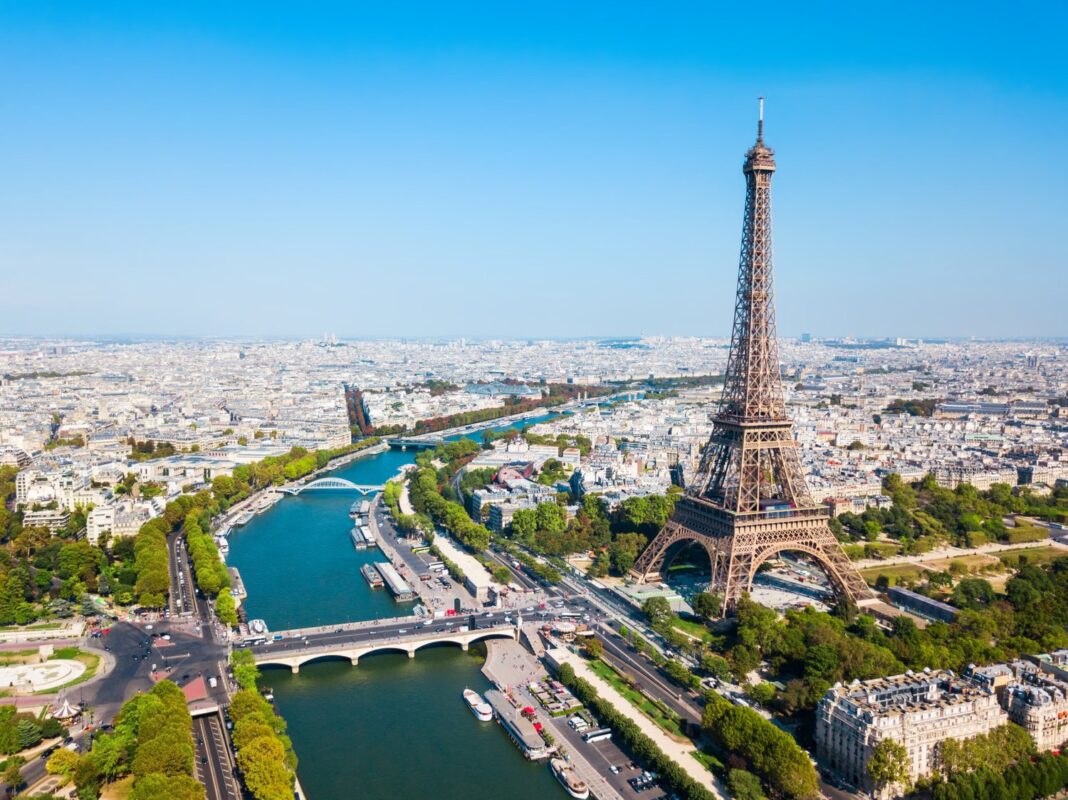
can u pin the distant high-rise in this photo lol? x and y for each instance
(806, 338)
(748, 500)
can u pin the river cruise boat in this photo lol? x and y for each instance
(479, 707)
(357, 539)
(370, 574)
(569, 779)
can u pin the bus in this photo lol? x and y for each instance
(598, 735)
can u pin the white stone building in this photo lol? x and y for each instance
(920, 710)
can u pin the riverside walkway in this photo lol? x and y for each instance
(681, 754)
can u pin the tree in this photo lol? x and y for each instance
(63, 762)
(29, 733)
(624, 551)
(51, 728)
(707, 605)
(973, 593)
(715, 665)
(167, 787)
(744, 785)
(169, 752)
(593, 647)
(657, 610)
(262, 762)
(12, 775)
(889, 763)
(225, 609)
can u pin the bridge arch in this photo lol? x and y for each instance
(300, 662)
(336, 484)
(465, 641)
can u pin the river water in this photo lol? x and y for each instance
(392, 727)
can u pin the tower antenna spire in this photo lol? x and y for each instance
(760, 121)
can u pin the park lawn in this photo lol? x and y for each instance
(691, 628)
(710, 762)
(883, 550)
(1027, 533)
(914, 571)
(638, 700)
(895, 573)
(11, 657)
(1033, 555)
(91, 661)
(42, 626)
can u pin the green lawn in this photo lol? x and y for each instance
(91, 661)
(710, 762)
(43, 626)
(1032, 555)
(665, 719)
(11, 657)
(1027, 533)
(698, 630)
(895, 573)
(882, 550)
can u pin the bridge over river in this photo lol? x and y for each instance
(351, 642)
(332, 484)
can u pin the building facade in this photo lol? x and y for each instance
(919, 710)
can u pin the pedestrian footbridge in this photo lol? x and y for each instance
(292, 653)
(336, 484)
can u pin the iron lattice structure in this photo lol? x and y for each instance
(748, 500)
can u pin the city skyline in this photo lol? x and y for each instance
(193, 172)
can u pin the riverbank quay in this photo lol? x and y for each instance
(498, 422)
(679, 752)
(407, 563)
(511, 669)
(237, 509)
(436, 595)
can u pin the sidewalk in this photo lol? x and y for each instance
(679, 753)
(403, 501)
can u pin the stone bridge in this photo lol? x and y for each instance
(278, 655)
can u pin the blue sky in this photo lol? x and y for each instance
(528, 169)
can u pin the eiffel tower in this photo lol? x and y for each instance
(748, 500)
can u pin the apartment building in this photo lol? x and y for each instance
(918, 709)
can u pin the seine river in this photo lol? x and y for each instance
(392, 727)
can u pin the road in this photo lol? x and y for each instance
(183, 600)
(214, 758)
(390, 631)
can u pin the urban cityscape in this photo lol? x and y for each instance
(680, 559)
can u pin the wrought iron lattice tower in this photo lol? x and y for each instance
(748, 500)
